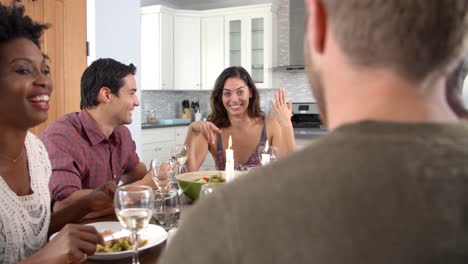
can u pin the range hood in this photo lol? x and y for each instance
(296, 37)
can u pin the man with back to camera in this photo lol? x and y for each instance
(388, 183)
(92, 147)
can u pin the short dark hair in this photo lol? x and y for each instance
(416, 38)
(218, 114)
(14, 25)
(103, 73)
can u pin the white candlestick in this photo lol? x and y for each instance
(265, 155)
(265, 159)
(229, 167)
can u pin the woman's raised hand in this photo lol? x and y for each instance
(282, 108)
(207, 129)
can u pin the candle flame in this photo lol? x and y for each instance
(230, 142)
(266, 146)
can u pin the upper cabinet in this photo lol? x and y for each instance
(212, 50)
(203, 43)
(157, 44)
(187, 56)
(252, 42)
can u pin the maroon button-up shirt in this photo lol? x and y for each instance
(82, 157)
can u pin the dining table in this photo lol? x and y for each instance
(149, 255)
(146, 256)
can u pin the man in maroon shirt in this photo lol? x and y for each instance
(92, 147)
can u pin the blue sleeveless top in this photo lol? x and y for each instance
(253, 158)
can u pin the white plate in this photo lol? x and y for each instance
(153, 233)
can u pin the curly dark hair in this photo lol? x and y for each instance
(14, 25)
(219, 115)
(103, 73)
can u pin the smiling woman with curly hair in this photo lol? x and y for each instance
(26, 220)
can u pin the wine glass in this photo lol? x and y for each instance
(166, 208)
(179, 153)
(161, 172)
(133, 207)
(209, 188)
(274, 153)
(268, 155)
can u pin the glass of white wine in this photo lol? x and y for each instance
(134, 209)
(179, 154)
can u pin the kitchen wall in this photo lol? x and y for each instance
(167, 103)
(110, 36)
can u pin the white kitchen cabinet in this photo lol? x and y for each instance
(157, 49)
(212, 50)
(157, 143)
(180, 134)
(252, 42)
(188, 49)
(187, 53)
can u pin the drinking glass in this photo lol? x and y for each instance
(179, 154)
(133, 207)
(161, 172)
(209, 188)
(166, 208)
(273, 151)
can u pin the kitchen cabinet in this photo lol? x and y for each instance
(212, 50)
(205, 42)
(187, 56)
(158, 142)
(252, 42)
(157, 44)
(65, 45)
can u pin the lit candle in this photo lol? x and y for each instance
(265, 155)
(229, 168)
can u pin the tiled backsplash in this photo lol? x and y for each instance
(167, 104)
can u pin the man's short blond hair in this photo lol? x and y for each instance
(414, 37)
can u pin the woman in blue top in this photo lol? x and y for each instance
(235, 111)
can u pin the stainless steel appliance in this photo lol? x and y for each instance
(305, 115)
(306, 123)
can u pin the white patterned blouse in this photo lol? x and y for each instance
(24, 220)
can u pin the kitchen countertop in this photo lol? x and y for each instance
(159, 125)
(307, 133)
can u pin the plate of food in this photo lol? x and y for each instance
(119, 248)
(191, 182)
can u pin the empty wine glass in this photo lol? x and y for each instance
(274, 153)
(179, 154)
(161, 172)
(209, 188)
(267, 155)
(166, 208)
(133, 207)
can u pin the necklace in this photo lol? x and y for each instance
(11, 159)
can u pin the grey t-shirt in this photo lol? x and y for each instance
(370, 192)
